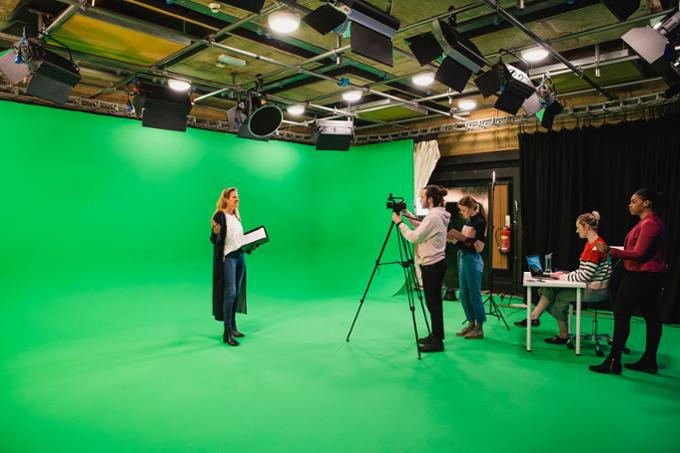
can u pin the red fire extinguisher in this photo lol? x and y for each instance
(504, 239)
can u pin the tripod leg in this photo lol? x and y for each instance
(411, 286)
(370, 280)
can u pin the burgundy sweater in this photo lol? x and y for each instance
(645, 247)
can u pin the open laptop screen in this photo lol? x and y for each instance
(535, 267)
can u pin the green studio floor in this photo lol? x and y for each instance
(122, 376)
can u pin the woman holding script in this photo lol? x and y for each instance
(470, 241)
(229, 266)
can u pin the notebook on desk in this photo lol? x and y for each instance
(536, 269)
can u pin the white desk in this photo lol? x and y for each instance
(531, 282)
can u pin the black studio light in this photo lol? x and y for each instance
(462, 58)
(371, 30)
(512, 86)
(622, 9)
(254, 118)
(333, 135)
(52, 77)
(162, 107)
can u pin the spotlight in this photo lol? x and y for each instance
(622, 9)
(296, 109)
(423, 80)
(467, 104)
(550, 105)
(162, 108)
(654, 45)
(333, 135)
(52, 76)
(372, 30)
(283, 21)
(462, 57)
(352, 96)
(253, 122)
(179, 85)
(511, 85)
(534, 54)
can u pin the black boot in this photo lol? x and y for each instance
(237, 333)
(425, 340)
(611, 365)
(647, 363)
(228, 338)
(432, 346)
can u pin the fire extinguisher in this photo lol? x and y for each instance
(504, 239)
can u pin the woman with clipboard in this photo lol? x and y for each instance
(229, 265)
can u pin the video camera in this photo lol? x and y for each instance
(396, 204)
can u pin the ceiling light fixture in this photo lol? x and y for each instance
(423, 80)
(179, 85)
(535, 54)
(352, 96)
(283, 21)
(467, 104)
(296, 109)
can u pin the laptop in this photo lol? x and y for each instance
(536, 269)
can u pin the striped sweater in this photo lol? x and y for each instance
(594, 269)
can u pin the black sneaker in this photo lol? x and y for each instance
(425, 340)
(556, 340)
(523, 323)
(434, 346)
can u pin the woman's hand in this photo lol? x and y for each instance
(559, 275)
(601, 247)
(216, 227)
(396, 218)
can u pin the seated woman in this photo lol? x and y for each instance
(594, 269)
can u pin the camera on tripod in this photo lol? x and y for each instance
(396, 204)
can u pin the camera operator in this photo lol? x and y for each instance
(429, 237)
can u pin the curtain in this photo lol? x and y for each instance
(425, 157)
(567, 173)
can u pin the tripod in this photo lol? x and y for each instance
(493, 307)
(410, 281)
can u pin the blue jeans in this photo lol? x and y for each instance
(470, 268)
(234, 269)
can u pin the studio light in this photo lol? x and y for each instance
(462, 57)
(423, 80)
(162, 107)
(254, 119)
(534, 54)
(179, 85)
(51, 76)
(254, 6)
(512, 86)
(550, 105)
(467, 104)
(371, 30)
(655, 45)
(333, 135)
(283, 21)
(296, 109)
(352, 96)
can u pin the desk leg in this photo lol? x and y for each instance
(579, 292)
(528, 301)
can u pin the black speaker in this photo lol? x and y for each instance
(325, 19)
(622, 9)
(165, 108)
(425, 48)
(453, 74)
(262, 123)
(371, 44)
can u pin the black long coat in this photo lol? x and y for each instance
(218, 271)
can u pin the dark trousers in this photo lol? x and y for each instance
(234, 269)
(433, 278)
(638, 290)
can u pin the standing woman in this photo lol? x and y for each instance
(471, 266)
(429, 237)
(644, 262)
(229, 266)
